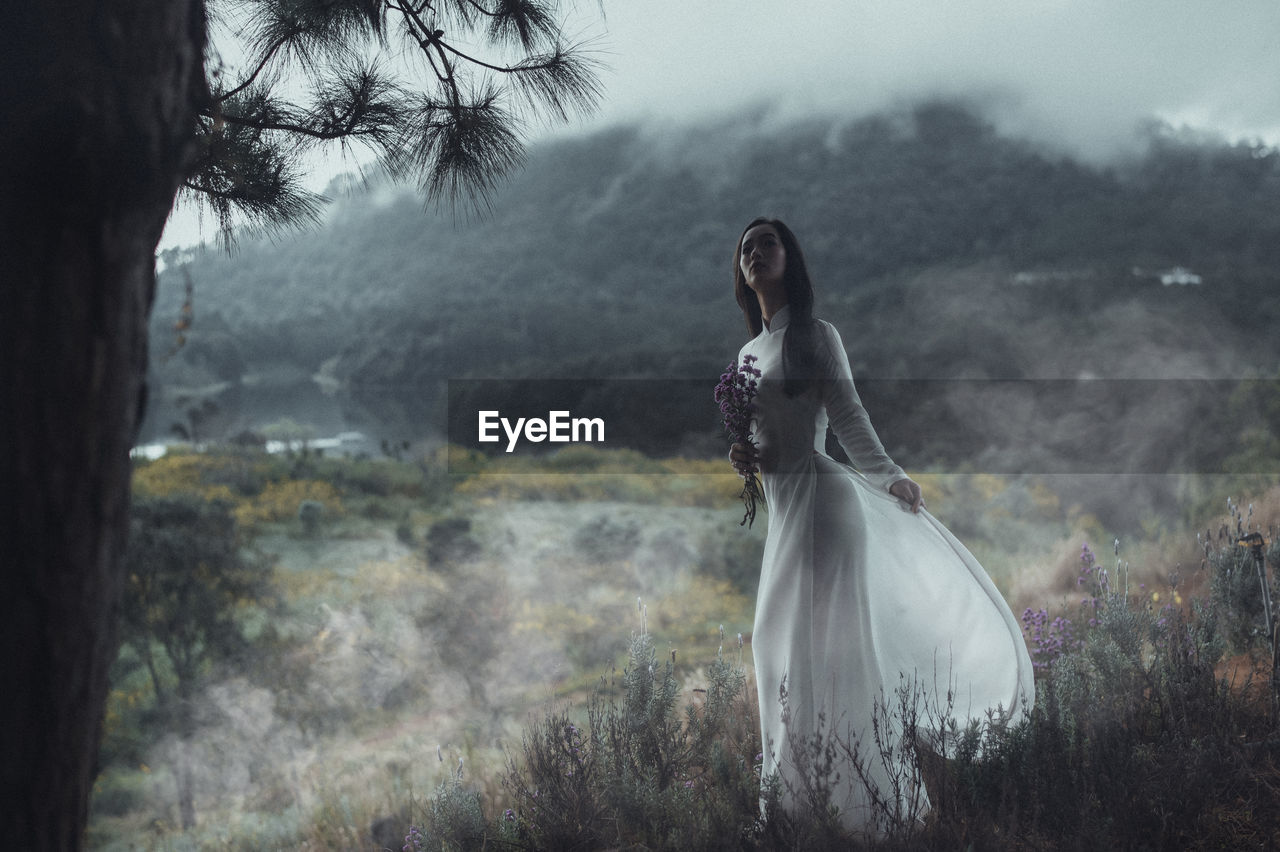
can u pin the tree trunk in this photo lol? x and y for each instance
(186, 787)
(185, 707)
(96, 130)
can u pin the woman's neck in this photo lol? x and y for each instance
(770, 305)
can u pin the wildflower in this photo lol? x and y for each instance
(1047, 639)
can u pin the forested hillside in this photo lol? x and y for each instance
(940, 248)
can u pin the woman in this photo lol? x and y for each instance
(865, 599)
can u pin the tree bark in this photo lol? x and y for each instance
(96, 132)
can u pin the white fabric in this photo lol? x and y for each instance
(857, 592)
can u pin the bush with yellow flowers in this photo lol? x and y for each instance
(279, 501)
(258, 489)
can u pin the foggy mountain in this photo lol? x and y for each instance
(947, 254)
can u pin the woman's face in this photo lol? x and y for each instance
(763, 260)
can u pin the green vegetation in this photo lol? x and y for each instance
(1144, 736)
(186, 576)
(461, 651)
(417, 609)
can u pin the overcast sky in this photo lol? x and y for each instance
(1082, 71)
(1081, 75)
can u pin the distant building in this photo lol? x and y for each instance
(150, 452)
(1179, 275)
(346, 444)
(1051, 276)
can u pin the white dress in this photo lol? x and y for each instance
(859, 596)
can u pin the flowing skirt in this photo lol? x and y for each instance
(863, 604)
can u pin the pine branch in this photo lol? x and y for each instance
(463, 151)
(522, 22)
(360, 102)
(247, 171)
(253, 76)
(314, 31)
(563, 80)
(453, 130)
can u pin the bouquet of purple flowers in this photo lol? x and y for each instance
(734, 394)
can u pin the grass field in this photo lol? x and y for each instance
(428, 619)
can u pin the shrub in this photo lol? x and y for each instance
(281, 501)
(179, 472)
(119, 791)
(311, 513)
(404, 533)
(637, 773)
(1134, 742)
(450, 543)
(634, 772)
(455, 823)
(261, 489)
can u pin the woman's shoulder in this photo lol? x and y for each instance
(749, 348)
(829, 352)
(826, 326)
(827, 332)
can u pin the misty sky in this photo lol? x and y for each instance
(1083, 72)
(1081, 75)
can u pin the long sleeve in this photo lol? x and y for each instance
(846, 414)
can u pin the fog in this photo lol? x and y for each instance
(1082, 75)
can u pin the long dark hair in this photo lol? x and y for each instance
(798, 355)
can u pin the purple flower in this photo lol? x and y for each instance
(734, 394)
(1047, 639)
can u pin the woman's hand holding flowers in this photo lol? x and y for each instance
(734, 394)
(743, 459)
